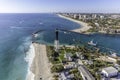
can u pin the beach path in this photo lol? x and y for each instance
(41, 65)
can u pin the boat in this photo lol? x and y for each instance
(92, 43)
(65, 32)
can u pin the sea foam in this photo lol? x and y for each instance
(29, 59)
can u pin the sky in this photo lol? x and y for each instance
(45, 6)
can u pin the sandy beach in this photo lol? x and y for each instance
(83, 26)
(41, 66)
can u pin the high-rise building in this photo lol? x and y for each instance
(80, 17)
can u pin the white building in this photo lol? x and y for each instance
(75, 16)
(80, 16)
(84, 16)
(68, 56)
(63, 76)
(82, 57)
(109, 72)
(94, 16)
(101, 17)
(70, 65)
(90, 62)
(78, 54)
(97, 24)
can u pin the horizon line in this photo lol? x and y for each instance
(62, 12)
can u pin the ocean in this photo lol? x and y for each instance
(16, 51)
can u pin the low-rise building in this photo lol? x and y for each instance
(70, 65)
(64, 76)
(117, 66)
(82, 57)
(80, 16)
(68, 56)
(78, 54)
(76, 16)
(97, 24)
(101, 17)
(94, 16)
(88, 62)
(109, 72)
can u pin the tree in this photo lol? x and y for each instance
(55, 54)
(118, 61)
(73, 71)
(57, 68)
(55, 77)
(77, 76)
(98, 77)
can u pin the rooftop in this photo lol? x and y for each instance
(110, 69)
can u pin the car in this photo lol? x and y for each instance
(85, 78)
(40, 78)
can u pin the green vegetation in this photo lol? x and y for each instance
(105, 23)
(96, 67)
(52, 55)
(93, 30)
(118, 61)
(89, 53)
(55, 77)
(61, 56)
(57, 68)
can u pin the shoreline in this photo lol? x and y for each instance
(40, 65)
(30, 55)
(83, 26)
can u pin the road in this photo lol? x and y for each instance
(86, 75)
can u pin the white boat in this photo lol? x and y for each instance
(92, 43)
(65, 32)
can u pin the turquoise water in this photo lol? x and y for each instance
(15, 40)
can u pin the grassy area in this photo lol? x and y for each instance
(61, 55)
(52, 55)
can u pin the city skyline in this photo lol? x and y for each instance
(46, 6)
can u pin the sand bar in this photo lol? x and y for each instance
(41, 66)
(83, 26)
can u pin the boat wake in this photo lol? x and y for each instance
(21, 21)
(14, 27)
(40, 23)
